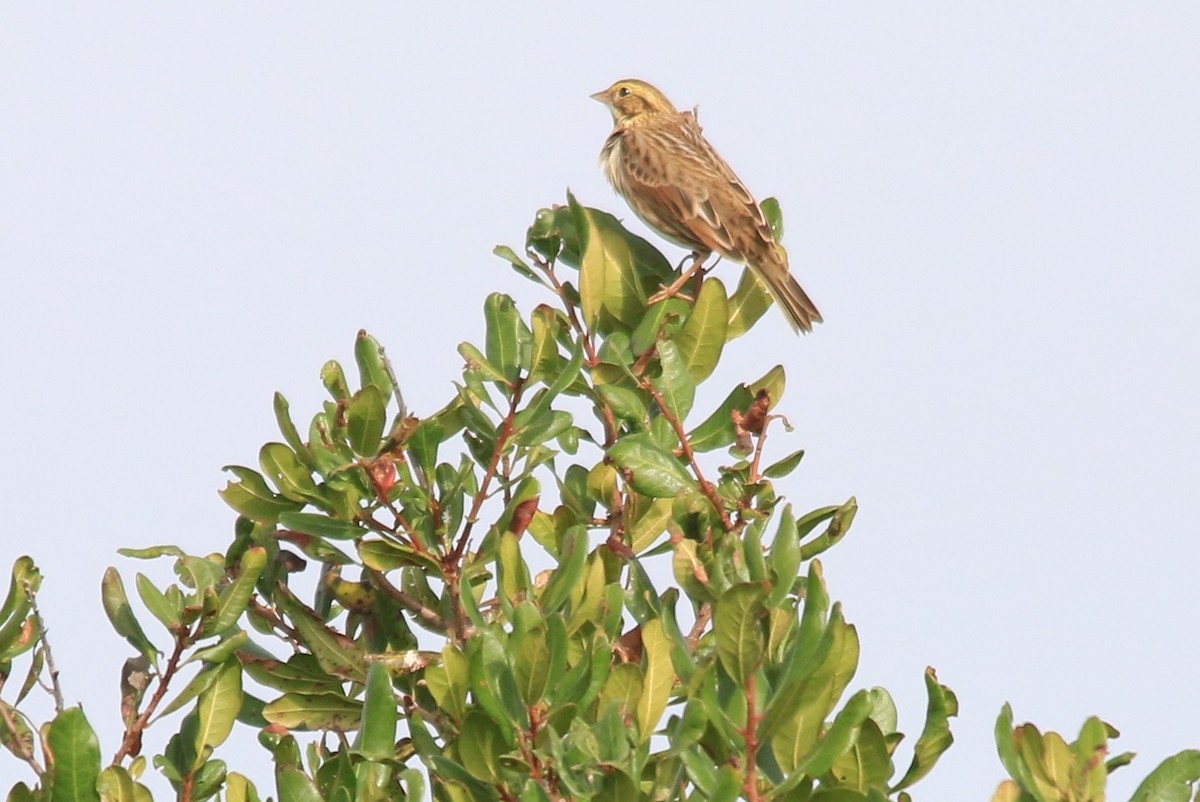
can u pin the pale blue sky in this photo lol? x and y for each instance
(996, 207)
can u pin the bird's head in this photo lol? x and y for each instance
(630, 99)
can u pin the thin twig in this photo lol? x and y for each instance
(407, 602)
(133, 735)
(506, 431)
(51, 668)
(697, 631)
(706, 487)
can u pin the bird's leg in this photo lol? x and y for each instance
(673, 291)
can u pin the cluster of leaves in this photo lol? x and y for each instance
(427, 636)
(1045, 768)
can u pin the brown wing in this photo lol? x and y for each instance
(691, 194)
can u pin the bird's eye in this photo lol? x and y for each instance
(624, 91)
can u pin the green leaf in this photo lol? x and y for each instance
(530, 652)
(170, 615)
(572, 559)
(717, 430)
(703, 335)
(234, 598)
(334, 379)
(198, 685)
(312, 712)
(377, 738)
(738, 626)
(291, 477)
(1171, 780)
(448, 682)
(654, 472)
(480, 746)
(493, 683)
(835, 741)
(839, 525)
(287, 428)
(120, 615)
(366, 418)
(784, 466)
(785, 559)
(675, 384)
(76, 751)
(607, 281)
(250, 496)
(650, 524)
(322, 526)
(336, 653)
(626, 404)
(423, 445)
(293, 785)
(545, 361)
(518, 264)
(217, 709)
(936, 737)
(657, 680)
(372, 365)
(750, 301)
(867, 763)
(115, 785)
(507, 336)
(476, 361)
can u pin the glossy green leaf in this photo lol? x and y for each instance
(839, 525)
(377, 738)
(480, 746)
(160, 606)
(657, 680)
(493, 683)
(518, 264)
(867, 763)
(476, 361)
(317, 711)
(334, 379)
(372, 365)
(650, 525)
(72, 741)
(607, 280)
(784, 466)
(423, 445)
(936, 737)
(717, 430)
(366, 419)
(115, 785)
(738, 625)
(703, 335)
(506, 336)
(236, 596)
(750, 301)
(449, 681)
(291, 477)
(336, 653)
(293, 785)
(120, 614)
(1173, 780)
(626, 404)
(674, 384)
(530, 651)
(572, 560)
(322, 526)
(784, 559)
(252, 497)
(217, 709)
(654, 472)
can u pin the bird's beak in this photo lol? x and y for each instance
(601, 96)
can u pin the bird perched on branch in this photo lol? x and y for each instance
(658, 160)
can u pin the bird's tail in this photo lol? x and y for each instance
(800, 310)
